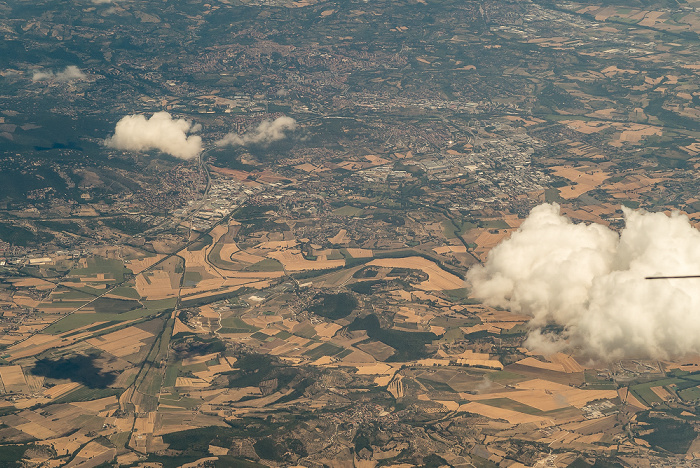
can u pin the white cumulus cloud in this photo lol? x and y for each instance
(267, 132)
(590, 280)
(160, 132)
(70, 73)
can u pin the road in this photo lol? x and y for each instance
(169, 223)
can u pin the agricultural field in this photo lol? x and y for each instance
(295, 290)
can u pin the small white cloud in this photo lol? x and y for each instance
(265, 133)
(160, 132)
(41, 76)
(70, 73)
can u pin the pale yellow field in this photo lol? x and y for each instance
(160, 286)
(121, 342)
(93, 452)
(547, 399)
(585, 181)
(492, 412)
(662, 393)
(12, 378)
(486, 240)
(33, 345)
(216, 234)
(292, 345)
(401, 294)
(357, 357)
(574, 396)
(532, 362)
(568, 363)
(60, 389)
(199, 359)
(327, 330)
(583, 215)
(340, 238)
(360, 253)
(196, 259)
(31, 283)
(24, 301)
(146, 424)
(35, 429)
(137, 266)
(189, 382)
(213, 371)
(582, 425)
(180, 327)
(637, 132)
(379, 368)
(67, 445)
(228, 250)
(246, 257)
(652, 18)
(97, 406)
(438, 279)
(450, 249)
(574, 191)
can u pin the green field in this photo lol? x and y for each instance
(451, 232)
(269, 264)
(326, 349)
(64, 304)
(552, 195)
(594, 383)
(177, 400)
(688, 394)
(644, 393)
(335, 255)
(73, 321)
(348, 211)
(494, 224)
(120, 439)
(201, 243)
(505, 377)
(171, 374)
(125, 291)
(236, 325)
(94, 328)
(261, 336)
(455, 334)
(201, 367)
(435, 385)
(192, 278)
(160, 305)
(507, 403)
(88, 394)
(215, 259)
(112, 268)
